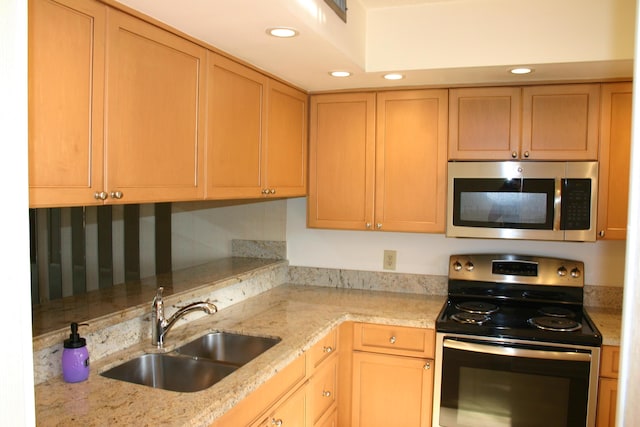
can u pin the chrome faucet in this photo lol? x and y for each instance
(160, 326)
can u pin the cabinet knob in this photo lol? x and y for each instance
(117, 195)
(265, 191)
(379, 225)
(275, 422)
(272, 191)
(392, 340)
(101, 195)
(368, 225)
(601, 233)
(526, 154)
(514, 154)
(427, 366)
(326, 393)
(327, 349)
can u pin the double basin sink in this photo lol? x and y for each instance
(194, 366)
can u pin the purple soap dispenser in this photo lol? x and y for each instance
(75, 357)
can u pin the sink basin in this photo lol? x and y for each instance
(226, 347)
(194, 366)
(170, 372)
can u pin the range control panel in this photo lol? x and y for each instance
(523, 269)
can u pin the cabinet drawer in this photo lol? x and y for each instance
(609, 361)
(322, 390)
(322, 350)
(400, 340)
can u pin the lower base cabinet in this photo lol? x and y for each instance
(291, 412)
(608, 386)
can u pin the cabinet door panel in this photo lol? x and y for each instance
(155, 99)
(377, 379)
(411, 160)
(615, 152)
(560, 122)
(285, 155)
(484, 123)
(66, 95)
(607, 401)
(322, 390)
(235, 128)
(341, 170)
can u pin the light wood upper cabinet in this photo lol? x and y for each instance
(256, 134)
(411, 160)
(396, 157)
(341, 161)
(615, 153)
(484, 123)
(560, 122)
(547, 122)
(66, 95)
(154, 145)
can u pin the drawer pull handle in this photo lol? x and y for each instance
(392, 340)
(327, 349)
(326, 393)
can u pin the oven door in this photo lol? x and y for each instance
(490, 382)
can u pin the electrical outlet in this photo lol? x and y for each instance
(389, 260)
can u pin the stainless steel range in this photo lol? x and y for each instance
(514, 345)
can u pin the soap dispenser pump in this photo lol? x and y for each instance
(75, 357)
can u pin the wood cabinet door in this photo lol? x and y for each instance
(236, 122)
(341, 161)
(411, 161)
(607, 400)
(560, 122)
(285, 154)
(322, 391)
(484, 123)
(291, 412)
(615, 151)
(66, 95)
(155, 108)
(377, 380)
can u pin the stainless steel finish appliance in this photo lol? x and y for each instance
(522, 200)
(514, 345)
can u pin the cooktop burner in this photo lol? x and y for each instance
(477, 307)
(557, 312)
(473, 318)
(550, 323)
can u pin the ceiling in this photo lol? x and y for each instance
(325, 43)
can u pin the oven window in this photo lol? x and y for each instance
(481, 389)
(504, 203)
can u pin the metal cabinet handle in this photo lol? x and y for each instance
(327, 349)
(379, 225)
(526, 154)
(368, 225)
(392, 340)
(265, 191)
(326, 393)
(103, 195)
(514, 154)
(427, 366)
(601, 233)
(117, 195)
(272, 191)
(275, 422)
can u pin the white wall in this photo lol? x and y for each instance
(479, 33)
(429, 253)
(16, 359)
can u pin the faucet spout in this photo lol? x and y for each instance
(161, 325)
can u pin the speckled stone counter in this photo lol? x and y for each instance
(300, 315)
(609, 323)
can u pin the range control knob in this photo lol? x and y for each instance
(469, 266)
(457, 266)
(576, 273)
(562, 271)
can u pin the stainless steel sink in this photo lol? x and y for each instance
(226, 347)
(194, 366)
(170, 372)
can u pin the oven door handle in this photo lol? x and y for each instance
(517, 352)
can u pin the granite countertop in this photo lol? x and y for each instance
(300, 315)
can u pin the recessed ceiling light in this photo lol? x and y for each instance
(393, 76)
(521, 70)
(340, 73)
(282, 32)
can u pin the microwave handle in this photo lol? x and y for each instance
(557, 204)
(501, 350)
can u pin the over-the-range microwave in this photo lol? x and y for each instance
(522, 200)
